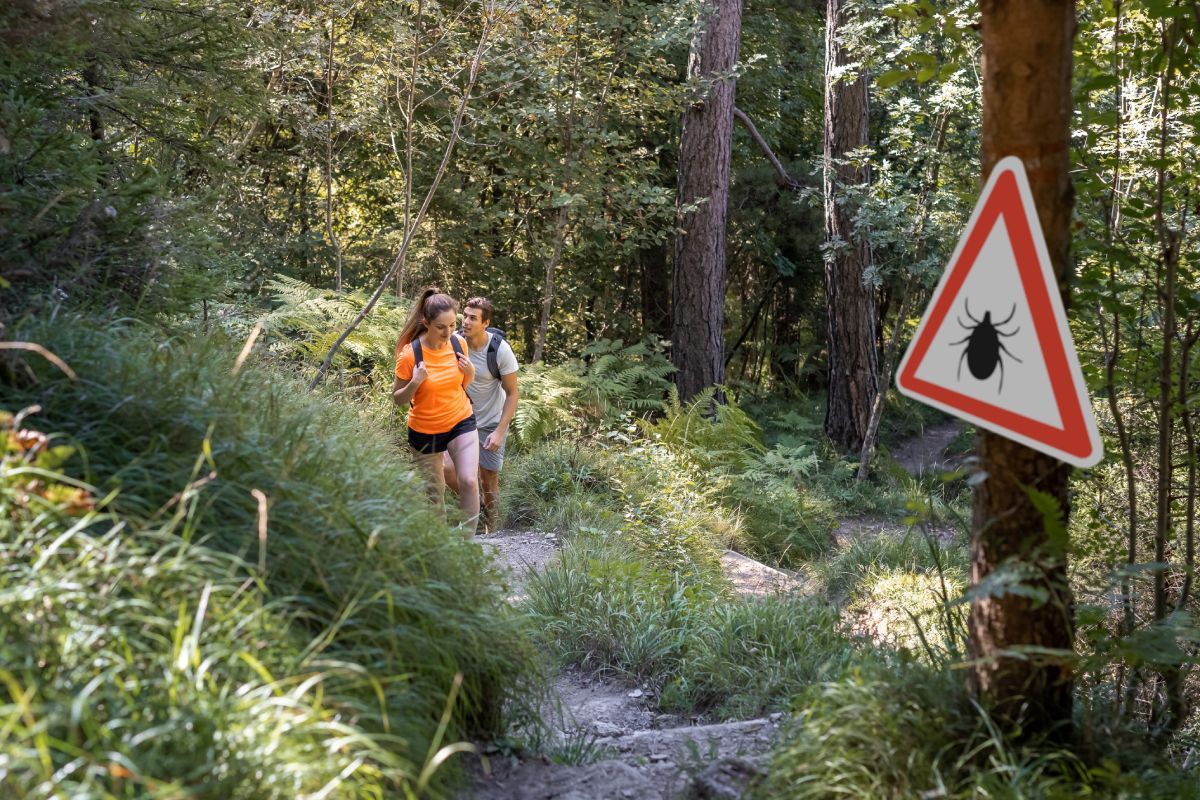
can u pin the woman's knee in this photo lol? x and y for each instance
(467, 483)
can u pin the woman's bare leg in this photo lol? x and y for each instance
(464, 452)
(431, 465)
(450, 475)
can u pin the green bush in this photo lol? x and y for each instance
(717, 437)
(609, 382)
(352, 551)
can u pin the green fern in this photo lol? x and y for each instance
(718, 437)
(549, 396)
(617, 377)
(307, 321)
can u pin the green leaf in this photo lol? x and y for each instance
(1053, 521)
(892, 77)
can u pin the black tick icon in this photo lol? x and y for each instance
(982, 353)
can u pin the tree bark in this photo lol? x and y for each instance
(697, 335)
(850, 305)
(1021, 647)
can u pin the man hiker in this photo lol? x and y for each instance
(493, 393)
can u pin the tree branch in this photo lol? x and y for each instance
(782, 176)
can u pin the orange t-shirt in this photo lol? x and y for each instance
(440, 402)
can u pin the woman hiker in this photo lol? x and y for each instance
(432, 371)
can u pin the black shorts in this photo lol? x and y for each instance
(429, 443)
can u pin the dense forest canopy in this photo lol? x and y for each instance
(218, 212)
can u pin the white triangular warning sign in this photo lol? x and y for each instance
(993, 346)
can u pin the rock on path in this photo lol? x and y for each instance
(632, 751)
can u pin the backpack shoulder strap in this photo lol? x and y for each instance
(418, 356)
(493, 360)
(456, 344)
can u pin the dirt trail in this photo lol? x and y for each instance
(927, 452)
(631, 749)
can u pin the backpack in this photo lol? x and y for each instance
(493, 360)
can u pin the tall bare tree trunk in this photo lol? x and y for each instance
(697, 335)
(850, 305)
(1021, 646)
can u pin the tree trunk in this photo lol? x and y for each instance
(1021, 647)
(697, 335)
(850, 304)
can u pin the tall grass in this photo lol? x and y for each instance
(139, 664)
(899, 729)
(601, 606)
(353, 556)
(640, 493)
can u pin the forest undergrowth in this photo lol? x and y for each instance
(867, 659)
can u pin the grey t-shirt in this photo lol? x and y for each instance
(486, 392)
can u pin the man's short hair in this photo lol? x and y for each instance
(486, 309)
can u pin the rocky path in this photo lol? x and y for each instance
(620, 745)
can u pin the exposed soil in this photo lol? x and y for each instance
(927, 452)
(629, 750)
(850, 528)
(522, 553)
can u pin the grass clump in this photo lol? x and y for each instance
(599, 606)
(562, 485)
(641, 493)
(353, 556)
(901, 589)
(744, 658)
(899, 729)
(867, 556)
